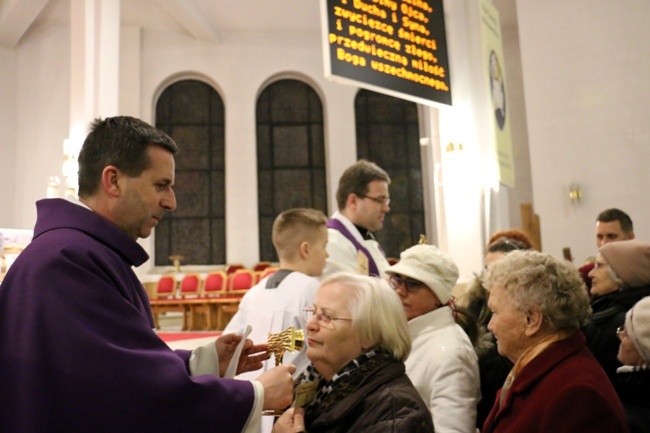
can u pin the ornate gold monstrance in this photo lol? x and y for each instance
(291, 339)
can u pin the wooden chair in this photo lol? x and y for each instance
(240, 281)
(238, 284)
(165, 298)
(215, 284)
(214, 288)
(166, 287)
(191, 286)
(260, 275)
(234, 267)
(226, 312)
(260, 266)
(268, 271)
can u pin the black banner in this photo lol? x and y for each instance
(396, 45)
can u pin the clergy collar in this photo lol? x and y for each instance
(365, 233)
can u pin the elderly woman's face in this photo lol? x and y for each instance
(507, 324)
(601, 278)
(332, 341)
(627, 353)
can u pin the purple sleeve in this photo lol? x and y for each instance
(79, 354)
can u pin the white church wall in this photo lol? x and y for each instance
(587, 98)
(464, 173)
(8, 131)
(42, 86)
(523, 190)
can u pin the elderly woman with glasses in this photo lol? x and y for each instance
(632, 380)
(619, 279)
(443, 365)
(538, 304)
(357, 343)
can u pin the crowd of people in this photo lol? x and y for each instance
(533, 344)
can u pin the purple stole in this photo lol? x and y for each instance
(338, 225)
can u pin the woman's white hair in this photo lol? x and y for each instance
(377, 313)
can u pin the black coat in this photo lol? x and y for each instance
(493, 369)
(386, 401)
(608, 314)
(633, 388)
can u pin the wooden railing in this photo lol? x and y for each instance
(200, 313)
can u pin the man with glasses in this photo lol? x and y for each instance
(363, 202)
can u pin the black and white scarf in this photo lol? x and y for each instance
(345, 381)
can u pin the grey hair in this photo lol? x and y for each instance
(377, 313)
(535, 279)
(612, 273)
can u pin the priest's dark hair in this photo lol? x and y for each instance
(121, 141)
(356, 178)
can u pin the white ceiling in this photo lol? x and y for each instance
(203, 19)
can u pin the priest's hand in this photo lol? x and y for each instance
(291, 421)
(251, 356)
(278, 386)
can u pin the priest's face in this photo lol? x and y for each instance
(143, 200)
(369, 211)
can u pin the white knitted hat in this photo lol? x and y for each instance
(429, 265)
(637, 326)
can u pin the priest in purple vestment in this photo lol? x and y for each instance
(77, 348)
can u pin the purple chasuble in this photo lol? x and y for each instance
(77, 348)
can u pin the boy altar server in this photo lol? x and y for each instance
(279, 300)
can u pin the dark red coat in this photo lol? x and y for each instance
(562, 390)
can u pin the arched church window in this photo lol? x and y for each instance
(388, 135)
(192, 113)
(290, 154)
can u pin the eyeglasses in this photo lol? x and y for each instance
(506, 246)
(321, 317)
(621, 333)
(384, 201)
(410, 284)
